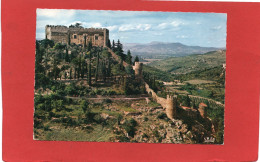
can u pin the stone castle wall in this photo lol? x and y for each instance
(77, 35)
(170, 103)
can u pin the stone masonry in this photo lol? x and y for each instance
(77, 35)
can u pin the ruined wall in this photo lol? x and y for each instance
(170, 103)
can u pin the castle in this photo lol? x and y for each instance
(77, 35)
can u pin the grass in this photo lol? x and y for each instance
(153, 104)
(128, 109)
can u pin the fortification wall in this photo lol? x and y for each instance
(63, 34)
(170, 103)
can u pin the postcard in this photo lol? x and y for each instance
(130, 76)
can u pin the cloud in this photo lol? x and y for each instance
(177, 23)
(216, 27)
(163, 25)
(173, 24)
(140, 27)
(182, 36)
(112, 28)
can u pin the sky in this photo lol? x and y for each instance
(196, 29)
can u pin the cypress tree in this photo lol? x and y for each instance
(109, 43)
(70, 73)
(113, 46)
(129, 57)
(136, 59)
(89, 73)
(97, 68)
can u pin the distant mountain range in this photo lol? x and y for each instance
(165, 50)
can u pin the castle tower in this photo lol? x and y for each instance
(171, 104)
(138, 68)
(202, 110)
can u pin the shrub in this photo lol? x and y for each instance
(162, 116)
(84, 105)
(98, 119)
(129, 126)
(37, 123)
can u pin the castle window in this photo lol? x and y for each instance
(96, 37)
(75, 36)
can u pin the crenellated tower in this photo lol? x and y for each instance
(171, 104)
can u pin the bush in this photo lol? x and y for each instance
(84, 105)
(98, 119)
(108, 101)
(129, 127)
(37, 123)
(162, 116)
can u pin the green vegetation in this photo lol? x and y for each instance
(182, 65)
(66, 76)
(160, 75)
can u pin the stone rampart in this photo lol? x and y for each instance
(169, 103)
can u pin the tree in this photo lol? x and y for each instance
(113, 46)
(76, 25)
(97, 67)
(89, 46)
(70, 73)
(83, 68)
(129, 70)
(67, 58)
(129, 57)
(136, 59)
(59, 46)
(46, 42)
(55, 69)
(108, 43)
(84, 106)
(186, 101)
(89, 73)
(119, 50)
